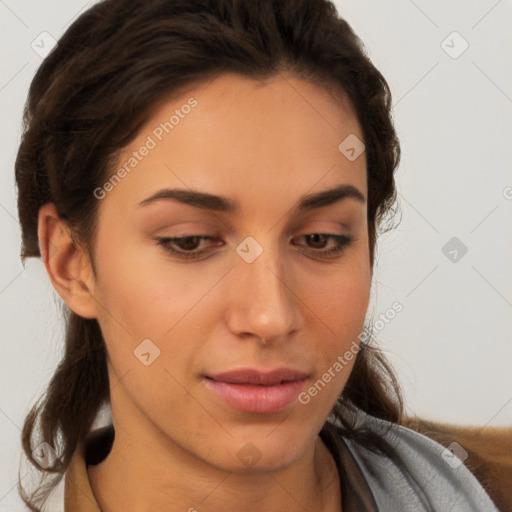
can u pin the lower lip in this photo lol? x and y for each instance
(254, 398)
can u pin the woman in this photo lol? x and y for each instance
(204, 181)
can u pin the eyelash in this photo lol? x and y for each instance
(343, 241)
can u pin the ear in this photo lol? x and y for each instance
(68, 265)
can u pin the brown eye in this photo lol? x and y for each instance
(190, 247)
(317, 240)
(189, 243)
(324, 245)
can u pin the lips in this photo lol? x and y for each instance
(256, 391)
(256, 377)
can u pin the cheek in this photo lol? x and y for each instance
(341, 304)
(351, 292)
(144, 297)
(148, 301)
(143, 292)
(340, 300)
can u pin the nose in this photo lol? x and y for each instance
(261, 302)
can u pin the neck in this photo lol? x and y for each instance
(148, 472)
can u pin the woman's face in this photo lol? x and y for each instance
(216, 340)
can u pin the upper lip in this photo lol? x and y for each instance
(261, 377)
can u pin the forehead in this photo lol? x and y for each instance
(244, 138)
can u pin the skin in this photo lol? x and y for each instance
(265, 145)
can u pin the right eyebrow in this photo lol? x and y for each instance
(225, 204)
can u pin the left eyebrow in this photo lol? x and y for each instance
(224, 204)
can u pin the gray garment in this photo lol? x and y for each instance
(427, 478)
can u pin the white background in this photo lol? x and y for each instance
(451, 344)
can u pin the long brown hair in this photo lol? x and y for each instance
(90, 97)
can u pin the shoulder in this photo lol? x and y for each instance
(417, 473)
(487, 451)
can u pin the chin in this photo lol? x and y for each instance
(259, 455)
